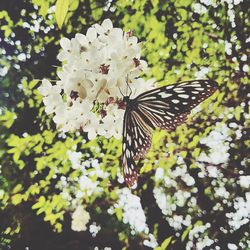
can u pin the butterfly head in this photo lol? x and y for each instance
(130, 104)
(126, 99)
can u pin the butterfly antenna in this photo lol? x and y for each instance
(128, 86)
(130, 90)
(120, 91)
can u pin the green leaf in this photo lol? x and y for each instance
(196, 152)
(16, 199)
(194, 142)
(118, 214)
(73, 5)
(44, 8)
(62, 7)
(17, 188)
(33, 83)
(198, 223)
(164, 244)
(155, 3)
(7, 119)
(185, 233)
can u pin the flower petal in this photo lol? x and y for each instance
(107, 24)
(65, 43)
(91, 34)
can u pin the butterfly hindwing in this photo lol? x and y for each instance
(136, 142)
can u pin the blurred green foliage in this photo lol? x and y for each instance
(178, 42)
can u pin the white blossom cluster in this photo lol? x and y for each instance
(133, 213)
(80, 219)
(172, 199)
(88, 168)
(196, 239)
(244, 181)
(172, 202)
(88, 180)
(151, 241)
(218, 142)
(241, 215)
(98, 68)
(94, 229)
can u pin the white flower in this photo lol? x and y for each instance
(105, 28)
(159, 173)
(232, 246)
(213, 171)
(217, 141)
(221, 192)
(113, 123)
(197, 239)
(71, 49)
(151, 242)
(202, 73)
(93, 127)
(96, 67)
(241, 215)
(94, 229)
(87, 185)
(244, 181)
(46, 88)
(75, 158)
(80, 219)
(132, 210)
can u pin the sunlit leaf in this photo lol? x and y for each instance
(62, 7)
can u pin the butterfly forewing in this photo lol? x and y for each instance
(166, 108)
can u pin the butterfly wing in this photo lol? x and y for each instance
(136, 142)
(167, 107)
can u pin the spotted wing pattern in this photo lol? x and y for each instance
(166, 108)
(136, 142)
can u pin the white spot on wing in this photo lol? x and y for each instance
(179, 90)
(194, 84)
(167, 117)
(169, 87)
(183, 96)
(164, 95)
(127, 153)
(175, 101)
(129, 139)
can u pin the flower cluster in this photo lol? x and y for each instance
(133, 213)
(178, 191)
(98, 68)
(241, 216)
(218, 142)
(80, 219)
(94, 229)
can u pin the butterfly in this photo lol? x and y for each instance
(166, 108)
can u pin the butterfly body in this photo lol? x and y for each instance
(165, 108)
(131, 104)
